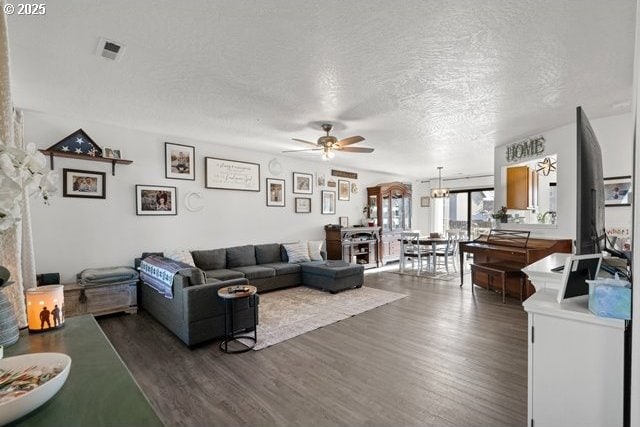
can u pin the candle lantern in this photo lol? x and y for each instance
(45, 306)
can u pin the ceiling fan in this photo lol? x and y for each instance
(327, 144)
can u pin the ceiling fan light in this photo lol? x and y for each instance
(330, 153)
(325, 156)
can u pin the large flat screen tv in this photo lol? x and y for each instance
(590, 228)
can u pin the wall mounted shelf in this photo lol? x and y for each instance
(113, 162)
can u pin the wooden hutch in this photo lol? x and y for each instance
(354, 243)
(390, 205)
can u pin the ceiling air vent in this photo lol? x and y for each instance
(110, 49)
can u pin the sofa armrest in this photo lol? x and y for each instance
(201, 301)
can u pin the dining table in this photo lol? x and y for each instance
(426, 241)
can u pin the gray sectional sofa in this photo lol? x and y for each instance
(196, 314)
(265, 266)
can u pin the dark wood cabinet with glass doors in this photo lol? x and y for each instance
(390, 205)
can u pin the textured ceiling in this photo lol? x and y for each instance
(427, 83)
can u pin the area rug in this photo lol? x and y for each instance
(287, 313)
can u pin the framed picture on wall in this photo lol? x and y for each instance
(179, 161)
(302, 183)
(275, 192)
(226, 174)
(618, 191)
(344, 190)
(303, 205)
(85, 184)
(111, 153)
(328, 202)
(425, 201)
(156, 200)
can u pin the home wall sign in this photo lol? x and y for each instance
(530, 147)
(343, 174)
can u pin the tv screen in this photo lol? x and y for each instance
(590, 228)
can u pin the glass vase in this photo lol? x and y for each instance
(9, 332)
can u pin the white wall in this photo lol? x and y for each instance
(73, 234)
(615, 134)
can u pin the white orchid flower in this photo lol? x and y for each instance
(22, 172)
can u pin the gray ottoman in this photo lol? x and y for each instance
(333, 276)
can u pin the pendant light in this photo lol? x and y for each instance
(439, 193)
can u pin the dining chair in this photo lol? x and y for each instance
(412, 249)
(447, 253)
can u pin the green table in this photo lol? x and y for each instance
(99, 391)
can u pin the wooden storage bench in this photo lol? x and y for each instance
(100, 299)
(500, 271)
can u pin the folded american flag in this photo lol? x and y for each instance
(158, 272)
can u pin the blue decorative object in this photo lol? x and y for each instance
(610, 298)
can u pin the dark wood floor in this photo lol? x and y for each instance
(439, 357)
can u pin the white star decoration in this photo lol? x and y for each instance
(79, 140)
(79, 150)
(65, 148)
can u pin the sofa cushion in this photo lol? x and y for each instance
(297, 252)
(240, 256)
(223, 274)
(212, 259)
(256, 271)
(268, 253)
(315, 250)
(283, 267)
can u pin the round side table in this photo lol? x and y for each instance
(230, 294)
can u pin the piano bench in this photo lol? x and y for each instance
(500, 271)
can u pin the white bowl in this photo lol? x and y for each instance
(22, 405)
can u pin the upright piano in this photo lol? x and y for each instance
(512, 253)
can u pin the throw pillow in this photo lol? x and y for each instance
(315, 250)
(180, 255)
(297, 252)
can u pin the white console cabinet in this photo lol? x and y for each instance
(576, 359)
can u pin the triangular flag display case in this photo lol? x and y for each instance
(79, 145)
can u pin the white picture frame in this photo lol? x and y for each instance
(328, 202)
(223, 174)
(571, 266)
(344, 190)
(303, 205)
(302, 183)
